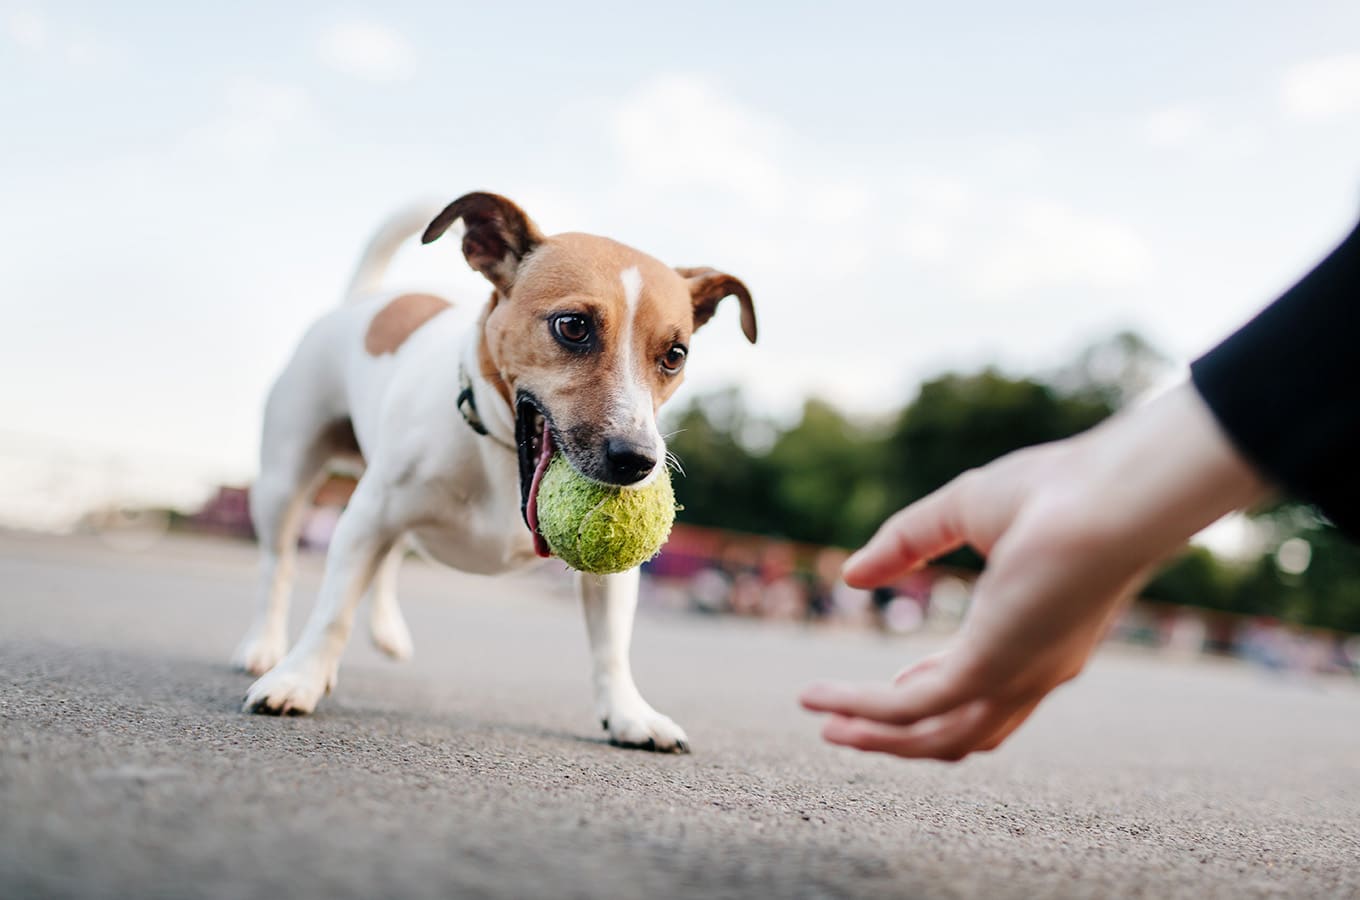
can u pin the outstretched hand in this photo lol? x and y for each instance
(1070, 530)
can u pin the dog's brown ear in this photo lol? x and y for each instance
(709, 286)
(499, 235)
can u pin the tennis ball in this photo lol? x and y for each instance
(603, 528)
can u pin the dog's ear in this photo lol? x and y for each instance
(499, 235)
(709, 286)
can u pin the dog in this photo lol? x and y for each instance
(453, 422)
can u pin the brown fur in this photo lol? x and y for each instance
(339, 439)
(399, 319)
(484, 361)
(581, 273)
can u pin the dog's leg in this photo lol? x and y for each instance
(278, 500)
(360, 542)
(610, 601)
(386, 624)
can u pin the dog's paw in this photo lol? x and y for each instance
(258, 653)
(287, 691)
(390, 633)
(643, 728)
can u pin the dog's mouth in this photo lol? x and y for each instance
(534, 437)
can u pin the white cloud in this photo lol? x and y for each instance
(1322, 89)
(1173, 127)
(256, 119)
(929, 242)
(27, 29)
(680, 131)
(72, 46)
(367, 50)
(1047, 245)
(937, 208)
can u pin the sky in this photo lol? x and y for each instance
(906, 188)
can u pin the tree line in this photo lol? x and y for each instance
(831, 478)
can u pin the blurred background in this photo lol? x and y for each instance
(967, 228)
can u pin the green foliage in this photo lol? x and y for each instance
(960, 422)
(1194, 578)
(723, 484)
(1325, 594)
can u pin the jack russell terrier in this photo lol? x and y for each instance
(581, 342)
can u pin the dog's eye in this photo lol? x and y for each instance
(674, 360)
(572, 330)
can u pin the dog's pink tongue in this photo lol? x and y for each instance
(545, 454)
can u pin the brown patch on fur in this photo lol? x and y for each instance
(339, 439)
(485, 363)
(399, 319)
(335, 491)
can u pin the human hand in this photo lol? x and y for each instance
(1070, 530)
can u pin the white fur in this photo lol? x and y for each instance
(429, 479)
(632, 290)
(634, 410)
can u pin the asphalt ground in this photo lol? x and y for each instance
(476, 770)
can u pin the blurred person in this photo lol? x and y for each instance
(881, 597)
(783, 593)
(1073, 528)
(824, 581)
(742, 564)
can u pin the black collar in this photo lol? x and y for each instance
(467, 405)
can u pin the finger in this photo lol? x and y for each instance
(950, 737)
(910, 538)
(921, 697)
(921, 665)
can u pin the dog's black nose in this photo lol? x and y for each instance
(628, 462)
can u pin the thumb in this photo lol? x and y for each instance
(915, 535)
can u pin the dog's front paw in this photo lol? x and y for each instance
(642, 728)
(287, 691)
(258, 653)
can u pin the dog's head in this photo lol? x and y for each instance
(585, 337)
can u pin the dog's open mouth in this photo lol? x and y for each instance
(534, 435)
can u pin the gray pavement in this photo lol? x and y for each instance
(126, 769)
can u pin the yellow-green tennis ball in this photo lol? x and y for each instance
(603, 528)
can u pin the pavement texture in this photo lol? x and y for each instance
(476, 770)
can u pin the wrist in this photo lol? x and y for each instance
(1170, 470)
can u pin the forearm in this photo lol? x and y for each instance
(1163, 471)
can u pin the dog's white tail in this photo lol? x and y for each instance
(385, 244)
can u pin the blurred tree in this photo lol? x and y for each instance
(1113, 371)
(959, 422)
(724, 484)
(1196, 577)
(826, 474)
(1322, 588)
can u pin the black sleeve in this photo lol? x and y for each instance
(1286, 387)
